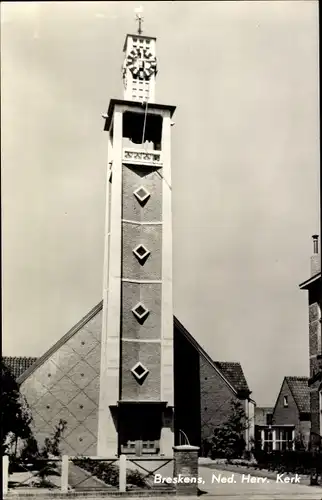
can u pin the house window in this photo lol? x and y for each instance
(140, 447)
(285, 402)
(268, 440)
(277, 439)
(284, 439)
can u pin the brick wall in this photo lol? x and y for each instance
(315, 349)
(215, 398)
(133, 179)
(186, 465)
(315, 410)
(202, 398)
(148, 353)
(147, 330)
(150, 296)
(151, 238)
(289, 415)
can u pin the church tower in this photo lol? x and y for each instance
(136, 379)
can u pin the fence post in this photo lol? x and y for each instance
(122, 472)
(5, 473)
(64, 474)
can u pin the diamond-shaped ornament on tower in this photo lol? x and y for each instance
(141, 253)
(142, 195)
(140, 311)
(139, 371)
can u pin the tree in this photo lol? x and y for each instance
(299, 442)
(227, 440)
(51, 446)
(15, 413)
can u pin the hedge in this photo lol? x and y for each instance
(301, 462)
(109, 472)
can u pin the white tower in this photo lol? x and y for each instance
(140, 66)
(136, 410)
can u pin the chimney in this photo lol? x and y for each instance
(315, 258)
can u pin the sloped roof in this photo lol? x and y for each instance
(305, 285)
(231, 372)
(234, 373)
(18, 365)
(299, 388)
(60, 342)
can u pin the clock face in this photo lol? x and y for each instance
(141, 63)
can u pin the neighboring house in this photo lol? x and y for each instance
(263, 415)
(314, 288)
(64, 384)
(18, 365)
(289, 421)
(263, 421)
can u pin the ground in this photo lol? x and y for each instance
(239, 487)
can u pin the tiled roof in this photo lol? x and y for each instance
(234, 373)
(300, 390)
(18, 365)
(231, 372)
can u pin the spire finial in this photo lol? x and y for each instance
(139, 17)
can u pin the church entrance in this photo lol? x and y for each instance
(140, 429)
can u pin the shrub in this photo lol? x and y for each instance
(30, 451)
(51, 446)
(109, 473)
(39, 460)
(15, 413)
(206, 447)
(299, 443)
(135, 478)
(300, 462)
(105, 471)
(227, 440)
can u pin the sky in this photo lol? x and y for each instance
(245, 170)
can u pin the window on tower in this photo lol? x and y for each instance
(141, 130)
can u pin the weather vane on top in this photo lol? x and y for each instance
(138, 17)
